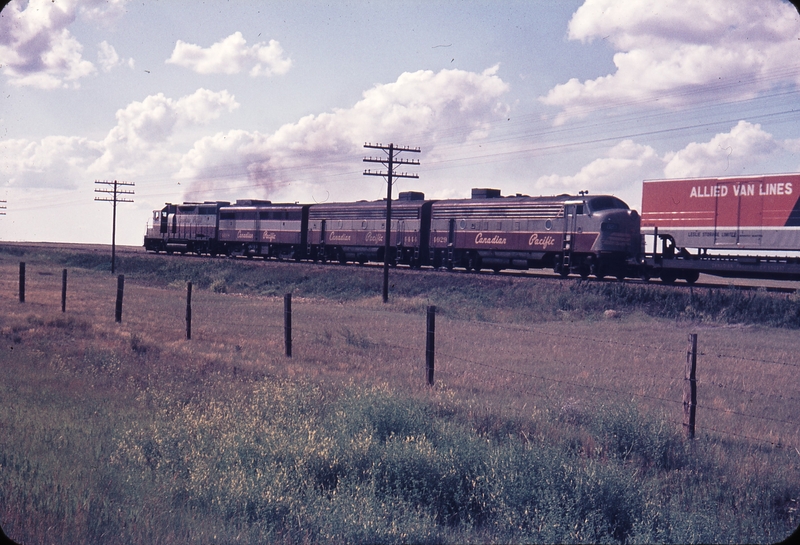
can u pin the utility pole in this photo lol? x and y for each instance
(3, 207)
(389, 162)
(113, 193)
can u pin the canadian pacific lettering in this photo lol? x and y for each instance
(339, 237)
(545, 242)
(496, 239)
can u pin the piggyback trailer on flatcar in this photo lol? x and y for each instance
(730, 226)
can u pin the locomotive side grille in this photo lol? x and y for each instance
(364, 214)
(534, 211)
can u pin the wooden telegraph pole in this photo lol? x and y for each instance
(113, 196)
(389, 162)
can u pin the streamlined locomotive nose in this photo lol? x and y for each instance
(619, 231)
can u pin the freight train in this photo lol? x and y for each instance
(720, 226)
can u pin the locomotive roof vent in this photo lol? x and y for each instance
(485, 193)
(411, 196)
(251, 202)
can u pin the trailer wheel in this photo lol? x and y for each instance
(691, 277)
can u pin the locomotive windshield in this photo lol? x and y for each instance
(606, 203)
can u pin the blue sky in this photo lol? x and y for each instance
(256, 99)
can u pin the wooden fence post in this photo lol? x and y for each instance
(120, 288)
(189, 311)
(690, 387)
(22, 282)
(287, 323)
(64, 290)
(429, 344)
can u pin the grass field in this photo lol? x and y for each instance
(555, 416)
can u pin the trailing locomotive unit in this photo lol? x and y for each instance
(700, 220)
(356, 231)
(260, 228)
(570, 234)
(188, 227)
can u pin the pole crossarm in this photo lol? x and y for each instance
(3, 207)
(113, 190)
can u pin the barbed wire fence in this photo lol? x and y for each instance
(725, 399)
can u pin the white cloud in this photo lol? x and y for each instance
(140, 144)
(141, 136)
(107, 56)
(728, 153)
(36, 47)
(232, 55)
(422, 106)
(625, 164)
(677, 51)
(54, 162)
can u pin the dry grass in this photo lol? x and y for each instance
(195, 434)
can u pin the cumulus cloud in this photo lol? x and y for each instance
(677, 51)
(139, 143)
(232, 55)
(36, 47)
(725, 154)
(108, 58)
(623, 167)
(54, 162)
(430, 106)
(144, 128)
(625, 164)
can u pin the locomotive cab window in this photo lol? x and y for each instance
(579, 210)
(606, 203)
